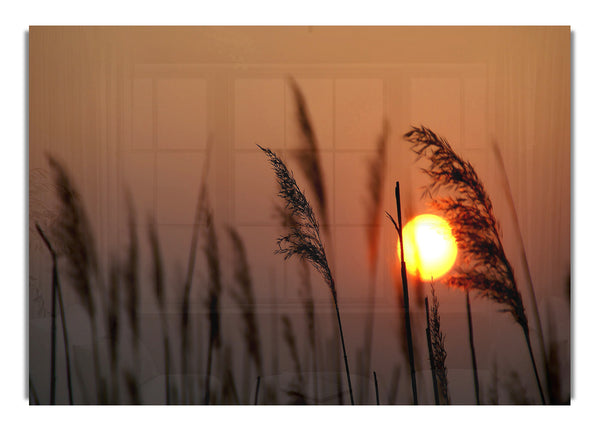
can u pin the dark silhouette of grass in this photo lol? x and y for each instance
(524, 261)
(472, 348)
(159, 293)
(244, 297)
(211, 252)
(229, 393)
(304, 239)
(474, 226)
(308, 155)
(431, 356)
(74, 232)
(113, 324)
(376, 387)
(405, 298)
(438, 349)
(131, 284)
(256, 391)
(57, 294)
(374, 205)
(198, 221)
(296, 390)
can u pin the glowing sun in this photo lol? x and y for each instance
(429, 246)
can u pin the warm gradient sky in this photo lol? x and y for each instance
(139, 108)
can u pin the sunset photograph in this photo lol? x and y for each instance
(299, 215)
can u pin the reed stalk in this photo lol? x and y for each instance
(132, 294)
(74, 231)
(470, 213)
(472, 347)
(53, 317)
(406, 302)
(524, 261)
(376, 387)
(212, 303)
(376, 170)
(113, 324)
(304, 240)
(256, 391)
(431, 358)
(199, 218)
(438, 348)
(159, 293)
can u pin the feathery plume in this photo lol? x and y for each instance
(308, 155)
(73, 229)
(303, 238)
(74, 233)
(438, 349)
(487, 270)
(376, 168)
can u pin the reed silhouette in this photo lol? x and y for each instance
(438, 350)
(469, 212)
(304, 238)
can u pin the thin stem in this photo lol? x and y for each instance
(337, 310)
(522, 253)
(376, 387)
(53, 336)
(56, 292)
(167, 362)
(65, 338)
(208, 367)
(472, 345)
(405, 298)
(100, 393)
(256, 392)
(430, 348)
(537, 377)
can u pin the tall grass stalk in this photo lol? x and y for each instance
(113, 326)
(472, 347)
(132, 295)
(376, 172)
(309, 315)
(308, 155)
(256, 391)
(74, 231)
(57, 294)
(524, 261)
(474, 226)
(159, 293)
(431, 358)
(438, 348)
(244, 297)
(199, 218)
(304, 240)
(296, 391)
(376, 387)
(211, 252)
(406, 302)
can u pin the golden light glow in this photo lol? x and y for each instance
(429, 246)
